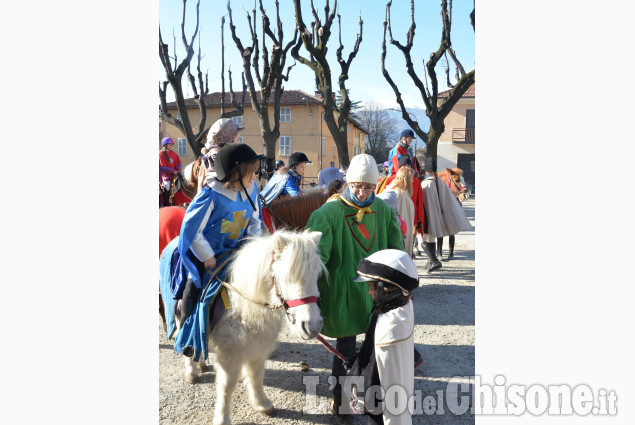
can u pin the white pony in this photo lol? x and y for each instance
(272, 277)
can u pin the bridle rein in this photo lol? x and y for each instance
(281, 301)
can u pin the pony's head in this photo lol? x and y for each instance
(281, 269)
(296, 269)
(452, 178)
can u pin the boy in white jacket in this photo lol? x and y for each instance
(387, 354)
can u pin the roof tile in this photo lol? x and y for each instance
(470, 92)
(289, 97)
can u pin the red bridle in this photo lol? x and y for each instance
(287, 304)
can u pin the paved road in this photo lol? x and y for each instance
(444, 330)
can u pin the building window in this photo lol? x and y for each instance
(285, 145)
(323, 146)
(241, 139)
(238, 120)
(182, 146)
(285, 114)
(178, 116)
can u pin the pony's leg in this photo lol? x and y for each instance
(202, 366)
(191, 371)
(162, 313)
(227, 374)
(451, 254)
(440, 248)
(255, 372)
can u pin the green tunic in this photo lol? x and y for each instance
(345, 305)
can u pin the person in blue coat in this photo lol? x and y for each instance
(221, 215)
(400, 150)
(286, 180)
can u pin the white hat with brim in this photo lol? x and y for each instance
(391, 266)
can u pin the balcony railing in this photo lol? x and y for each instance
(462, 135)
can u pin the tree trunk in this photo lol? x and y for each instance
(434, 134)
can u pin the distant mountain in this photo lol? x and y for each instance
(419, 113)
(421, 118)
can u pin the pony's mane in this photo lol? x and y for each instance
(296, 210)
(252, 272)
(188, 173)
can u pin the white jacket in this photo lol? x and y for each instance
(394, 354)
(444, 214)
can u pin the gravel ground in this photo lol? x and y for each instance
(444, 335)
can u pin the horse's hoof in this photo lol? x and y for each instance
(219, 420)
(270, 411)
(204, 367)
(191, 378)
(266, 407)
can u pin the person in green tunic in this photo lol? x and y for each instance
(354, 224)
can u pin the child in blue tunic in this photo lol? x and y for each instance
(222, 214)
(286, 181)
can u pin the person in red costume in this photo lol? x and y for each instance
(169, 164)
(402, 149)
(170, 220)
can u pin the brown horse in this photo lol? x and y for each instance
(452, 178)
(185, 184)
(293, 212)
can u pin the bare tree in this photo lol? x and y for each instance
(174, 74)
(382, 129)
(355, 104)
(435, 112)
(271, 78)
(239, 108)
(315, 42)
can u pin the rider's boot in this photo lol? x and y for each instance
(433, 262)
(451, 254)
(190, 293)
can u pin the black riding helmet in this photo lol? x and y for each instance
(297, 158)
(231, 156)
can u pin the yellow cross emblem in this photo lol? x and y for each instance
(234, 227)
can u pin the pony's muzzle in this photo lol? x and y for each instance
(310, 330)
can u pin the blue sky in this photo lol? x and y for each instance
(366, 81)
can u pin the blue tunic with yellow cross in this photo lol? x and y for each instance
(226, 217)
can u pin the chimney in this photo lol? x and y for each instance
(318, 94)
